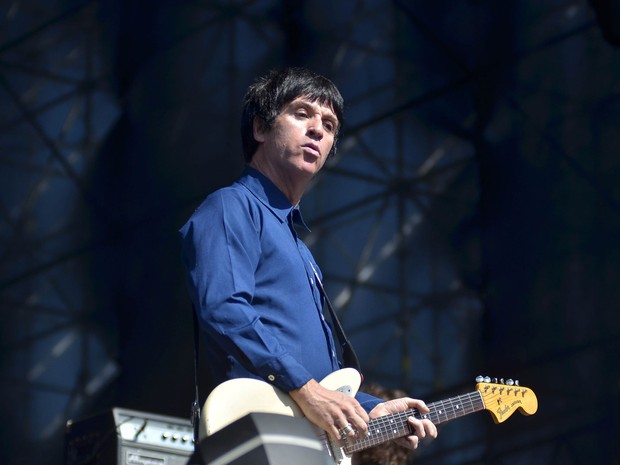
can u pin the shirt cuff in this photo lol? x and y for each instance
(285, 373)
(367, 401)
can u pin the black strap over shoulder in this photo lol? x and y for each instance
(196, 403)
(349, 357)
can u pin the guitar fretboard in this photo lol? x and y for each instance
(388, 427)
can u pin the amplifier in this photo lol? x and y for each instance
(128, 437)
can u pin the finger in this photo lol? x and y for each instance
(359, 410)
(360, 426)
(359, 429)
(418, 404)
(423, 407)
(339, 434)
(418, 426)
(431, 429)
(334, 433)
(423, 428)
(346, 434)
(358, 418)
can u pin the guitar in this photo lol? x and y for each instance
(236, 398)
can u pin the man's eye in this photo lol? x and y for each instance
(329, 126)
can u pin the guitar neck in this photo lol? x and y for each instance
(392, 426)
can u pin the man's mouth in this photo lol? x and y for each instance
(313, 148)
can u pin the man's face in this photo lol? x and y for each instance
(301, 137)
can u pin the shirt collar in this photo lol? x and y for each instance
(270, 196)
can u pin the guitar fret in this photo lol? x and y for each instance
(457, 408)
(392, 426)
(454, 407)
(442, 410)
(471, 402)
(383, 429)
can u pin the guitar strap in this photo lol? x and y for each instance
(349, 357)
(196, 403)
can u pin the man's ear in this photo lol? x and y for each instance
(259, 129)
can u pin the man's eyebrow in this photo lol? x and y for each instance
(315, 108)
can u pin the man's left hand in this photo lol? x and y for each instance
(423, 428)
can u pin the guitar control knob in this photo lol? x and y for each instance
(487, 379)
(479, 379)
(510, 382)
(516, 382)
(495, 380)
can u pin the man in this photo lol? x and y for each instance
(253, 281)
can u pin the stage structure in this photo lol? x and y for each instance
(466, 226)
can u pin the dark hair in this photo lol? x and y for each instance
(268, 95)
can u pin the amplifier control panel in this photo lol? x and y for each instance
(155, 430)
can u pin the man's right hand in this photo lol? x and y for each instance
(331, 410)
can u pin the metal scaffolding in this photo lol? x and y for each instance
(117, 119)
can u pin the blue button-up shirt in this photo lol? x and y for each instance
(252, 282)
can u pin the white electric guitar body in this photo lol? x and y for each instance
(236, 398)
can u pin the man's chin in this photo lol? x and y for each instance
(311, 170)
(312, 163)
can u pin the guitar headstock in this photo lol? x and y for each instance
(503, 398)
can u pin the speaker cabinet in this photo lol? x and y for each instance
(264, 439)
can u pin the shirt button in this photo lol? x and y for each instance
(271, 378)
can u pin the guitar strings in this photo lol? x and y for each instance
(392, 426)
(396, 425)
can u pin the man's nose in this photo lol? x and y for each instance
(315, 129)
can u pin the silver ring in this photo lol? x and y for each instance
(345, 430)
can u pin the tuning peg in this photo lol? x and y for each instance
(487, 379)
